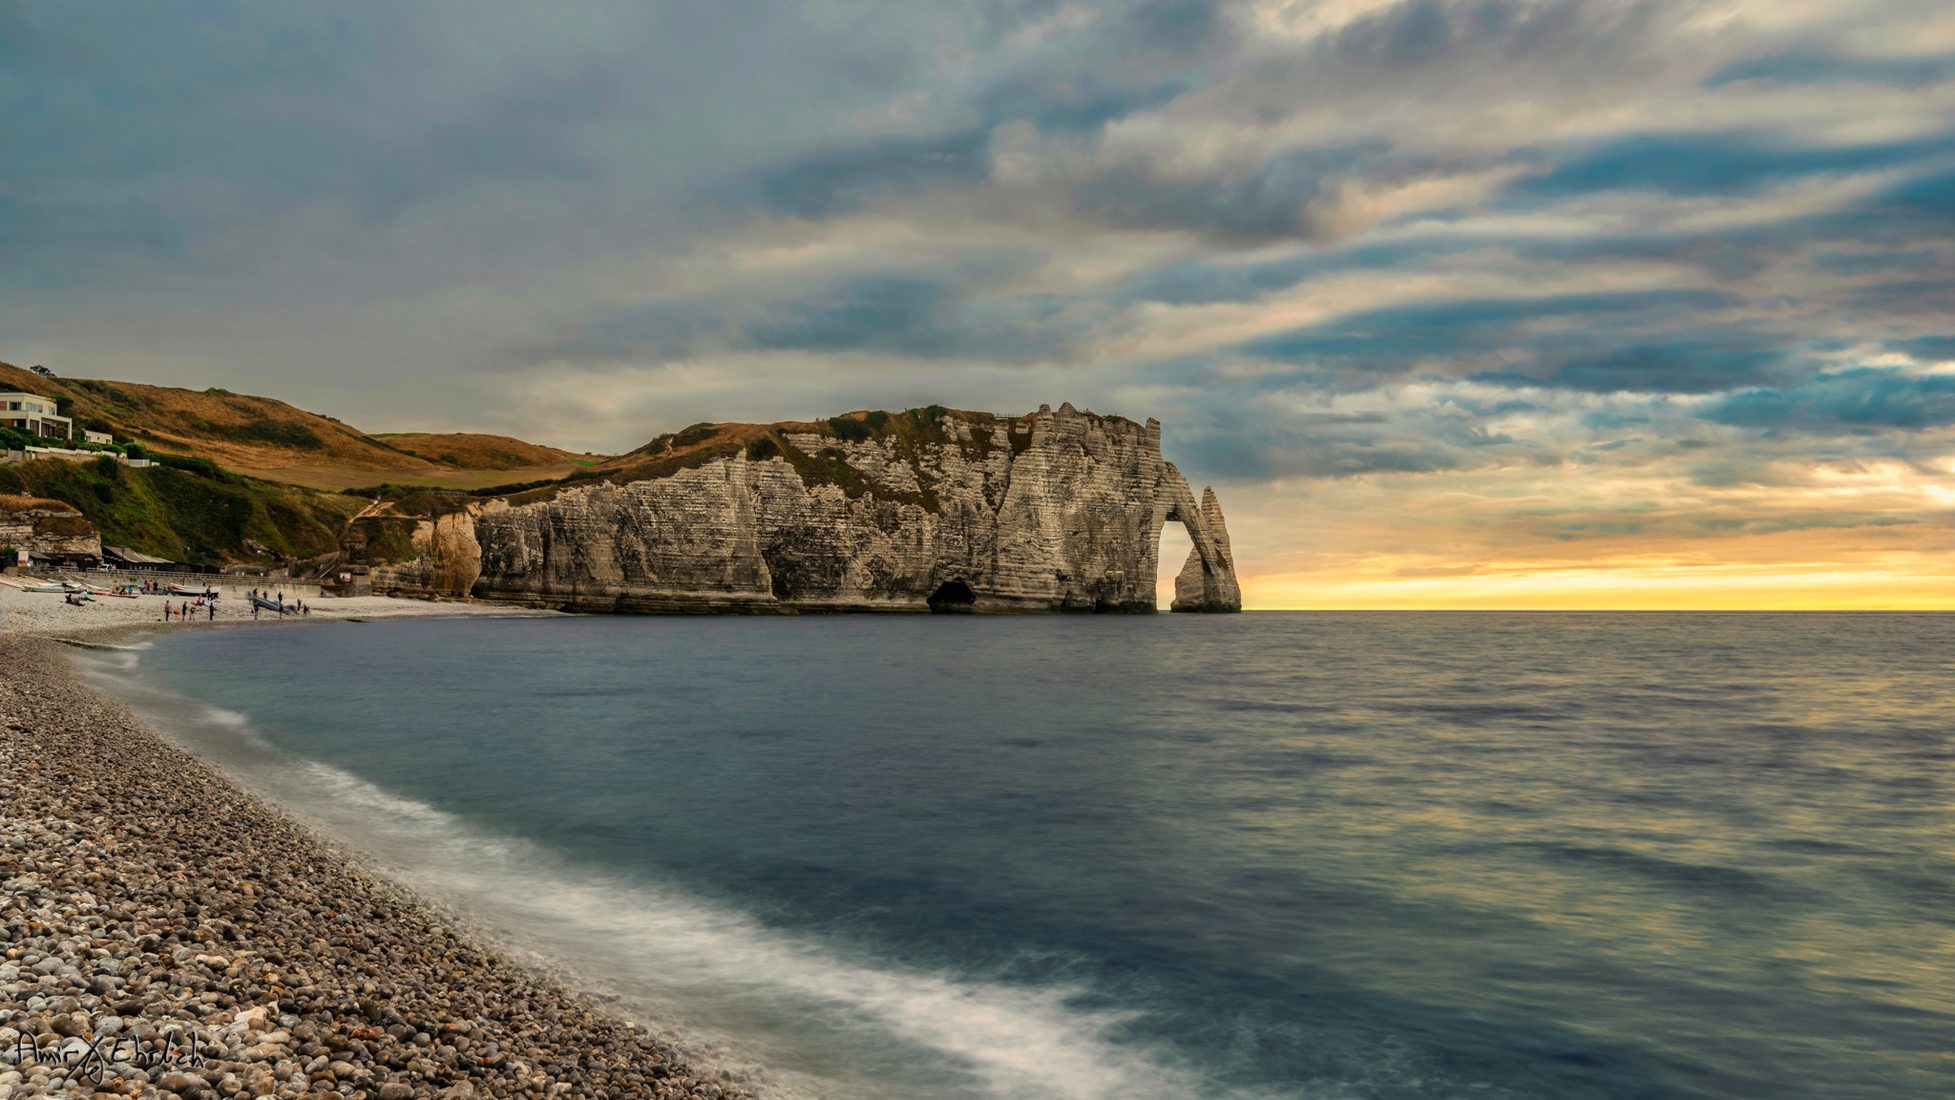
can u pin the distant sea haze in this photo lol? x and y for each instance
(1388, 856)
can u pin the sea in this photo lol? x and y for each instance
(1389, 856)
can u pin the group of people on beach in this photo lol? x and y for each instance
(298, 606)
(208, 604)
(184, 610)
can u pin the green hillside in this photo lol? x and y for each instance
(192, 511)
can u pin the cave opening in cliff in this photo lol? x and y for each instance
(952, 596)
(1176, 545)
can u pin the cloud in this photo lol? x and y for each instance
(1419, 34)
(1930, 347)
(937, 316)
(1714, 163)
(834, 181)
(1299, 194)
(1228, 443)
(1204, 281)
(915, 316)
(1692, 362)
(1864, 263)
(1930, 196)
(1812, 65)
(1863, 400)
(1654, 341)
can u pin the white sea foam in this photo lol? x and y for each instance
(717, 966)
(238, 725)
(102, 660)
(169, 709)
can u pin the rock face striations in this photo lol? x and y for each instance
(46, 527)
(926, 510)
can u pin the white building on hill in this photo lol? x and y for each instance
(35, 415)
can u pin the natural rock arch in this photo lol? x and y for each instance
(1207, 580)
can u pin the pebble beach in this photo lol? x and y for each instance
(47, 615)
(168, 934)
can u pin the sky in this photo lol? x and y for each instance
(1457, 303)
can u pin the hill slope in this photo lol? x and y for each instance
(270, 439)
(228, 428)
(475, 451)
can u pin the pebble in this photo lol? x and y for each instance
(145, 897)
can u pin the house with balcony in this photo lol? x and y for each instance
(33, 414)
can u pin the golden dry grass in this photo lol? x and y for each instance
(335, 478)
(476, 451)
(14, 502)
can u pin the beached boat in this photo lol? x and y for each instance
(120, 591)
(272, 605)
(52, 586)
(181, 590)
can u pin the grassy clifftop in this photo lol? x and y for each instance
(821, 461)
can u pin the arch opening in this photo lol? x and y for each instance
(1175, 546)
(951, 597)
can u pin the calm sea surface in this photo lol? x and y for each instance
(1270, 855)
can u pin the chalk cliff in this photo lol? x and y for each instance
(46, 527)
(931, 509)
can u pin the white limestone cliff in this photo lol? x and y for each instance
(1053, 511)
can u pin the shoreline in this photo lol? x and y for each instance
(46, 615)
(153, 902)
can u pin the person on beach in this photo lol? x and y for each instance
(166, 611)
(213, 611)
